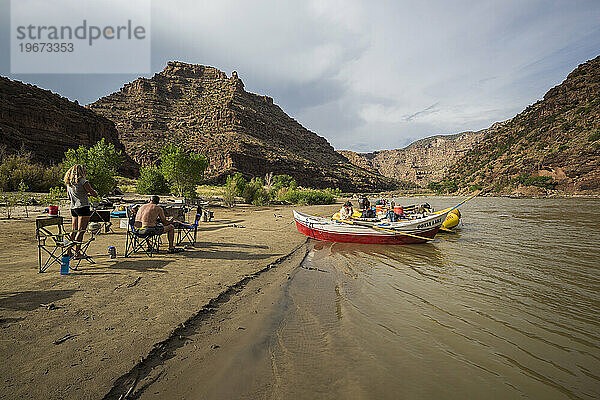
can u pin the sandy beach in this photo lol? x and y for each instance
(125, 315)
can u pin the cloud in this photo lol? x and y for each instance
(369, 75)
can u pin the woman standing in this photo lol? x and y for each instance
(78, 189)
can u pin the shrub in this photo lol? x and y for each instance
(24, 197)
(594, 136)
(237, 183)
(17, 168)
(152, 182)
(281, 181)
(255, 193)
(540, 181)
(183, 171)
(445, 186)
(234, 187)
(101, 162)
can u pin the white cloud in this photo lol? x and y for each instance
(377, 74)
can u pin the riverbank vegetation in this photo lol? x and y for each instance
(274, 189)
(26, 182)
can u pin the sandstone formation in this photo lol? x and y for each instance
(421, 162)
(204, 110)
(47, 124)
(557, 137)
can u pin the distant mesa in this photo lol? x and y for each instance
(204, 110)
(554, 144)
(421, 162)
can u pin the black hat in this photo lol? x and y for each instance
(347, 203)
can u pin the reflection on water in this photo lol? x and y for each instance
(507, 308)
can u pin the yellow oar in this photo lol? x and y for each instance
(382, 229)
(459, 204)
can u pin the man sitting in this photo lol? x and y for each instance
(146, 220)
(346, 211)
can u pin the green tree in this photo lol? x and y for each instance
(101, 162)
(183, 171)
(280, 181)
(152, 181)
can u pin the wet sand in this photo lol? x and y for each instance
(128, 315)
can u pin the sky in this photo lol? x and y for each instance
(366, 75)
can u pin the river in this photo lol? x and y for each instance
(507, 307)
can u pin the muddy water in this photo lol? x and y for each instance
(509, 307)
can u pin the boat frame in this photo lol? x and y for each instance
(331, 230)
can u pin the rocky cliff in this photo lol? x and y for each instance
(554, 143)
(421, 162)
(47, 124)
(206, 111)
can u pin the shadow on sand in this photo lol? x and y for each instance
(141, 265)
(31, 299)
(219, 254)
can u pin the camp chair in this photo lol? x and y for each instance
(136, 241)
(186, 230)
(53, 243)
(103, 217)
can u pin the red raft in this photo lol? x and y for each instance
(412, 231)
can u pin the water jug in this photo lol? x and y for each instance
(64, 265)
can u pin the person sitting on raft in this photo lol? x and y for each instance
(363, 203)
(346, 211)
(146, 220)
(391, 214)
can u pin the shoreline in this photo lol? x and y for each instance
(118, 313)
(178, 338)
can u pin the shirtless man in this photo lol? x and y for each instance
(147, 217)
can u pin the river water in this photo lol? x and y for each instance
(508, 307)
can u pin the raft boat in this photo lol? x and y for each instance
(419, 230)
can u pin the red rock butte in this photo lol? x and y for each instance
(204, 110)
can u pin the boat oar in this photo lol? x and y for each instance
(459, 204)
(383, 229)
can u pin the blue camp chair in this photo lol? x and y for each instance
(188, 231)
(136, 241)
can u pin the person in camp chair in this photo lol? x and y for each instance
(147, 217)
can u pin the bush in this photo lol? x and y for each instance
(594, 136)
(446, 186)
(237, 184)
(101, 162)
(18, 168)
(234, 187)
(152, 182)
(255, 193)
(545, 182)
(183, 171)
(281, 181)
